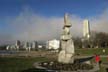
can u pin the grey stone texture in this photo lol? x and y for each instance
(67, 46)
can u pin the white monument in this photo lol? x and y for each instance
(67, 47)
(86, 29)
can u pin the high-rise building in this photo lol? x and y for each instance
(17, 44)
(86, 29)
(34, 45)
(26, 45)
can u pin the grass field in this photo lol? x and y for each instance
(104, 60)
(21, 64)
(18, 64)
(92, 51)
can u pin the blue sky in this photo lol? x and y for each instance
(83, 8)
(10, 10)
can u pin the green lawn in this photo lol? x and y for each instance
(92, 51)
(18, 64)
(104, 60)
(95, 51)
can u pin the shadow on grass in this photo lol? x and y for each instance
(37, 70)
(84, 59)
(34, 70)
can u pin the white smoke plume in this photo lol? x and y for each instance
(29, 25)
(100, 23)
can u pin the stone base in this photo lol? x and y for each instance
(65, 57)
(60, 67)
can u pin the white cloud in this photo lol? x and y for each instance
(100, 23)
(30, 26)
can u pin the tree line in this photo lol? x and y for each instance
(96, 40)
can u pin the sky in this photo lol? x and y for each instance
(42, 20)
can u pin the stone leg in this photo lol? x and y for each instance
(61, 56)
(69, 58)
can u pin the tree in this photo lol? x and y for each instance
(77, 42)
(100, 39)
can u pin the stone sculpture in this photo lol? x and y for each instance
(67, 47)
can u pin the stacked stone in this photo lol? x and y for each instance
(66, 67)
(67, 47)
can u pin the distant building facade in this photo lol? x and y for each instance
(86, 29)
(17, 44)
(34, 45)
(53, 44)
(86, 35)
(31, 45)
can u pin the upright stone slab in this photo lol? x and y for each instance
(67, 46)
